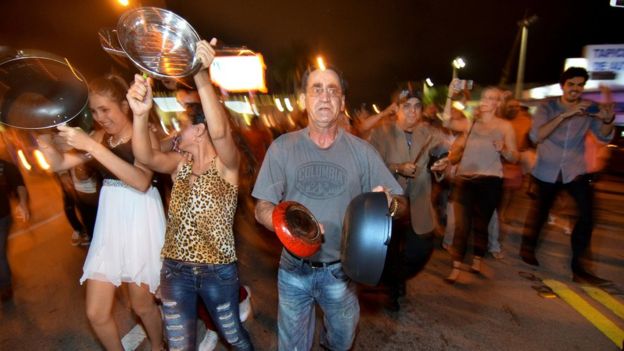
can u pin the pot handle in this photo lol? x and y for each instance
(109, 40)
(388, 230)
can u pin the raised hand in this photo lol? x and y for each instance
(140, 96)
(205, 52)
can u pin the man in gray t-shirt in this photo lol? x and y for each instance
(323, 168)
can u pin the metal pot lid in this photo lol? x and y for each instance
(366, 233)
(159, 42)
(297, 228)
(40, 90)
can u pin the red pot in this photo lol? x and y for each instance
(297, 228)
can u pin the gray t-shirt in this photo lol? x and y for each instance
(323, 180)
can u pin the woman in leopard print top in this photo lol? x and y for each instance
(199, 255)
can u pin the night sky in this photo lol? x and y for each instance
(375, 43)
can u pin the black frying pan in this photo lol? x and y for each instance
(39, 90)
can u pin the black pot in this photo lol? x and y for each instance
(366, 233)
(40, 90)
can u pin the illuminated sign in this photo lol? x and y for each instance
(239, 73)
(606, 58)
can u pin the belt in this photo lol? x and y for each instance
(313, 264)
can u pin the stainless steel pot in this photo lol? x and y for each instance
(157, 41)
(40, 90)
(366, 233)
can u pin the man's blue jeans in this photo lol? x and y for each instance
(300, 287)
(181, 283)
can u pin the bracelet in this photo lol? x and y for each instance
(610, 121)
(394, 206)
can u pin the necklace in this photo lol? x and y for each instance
(114, 144)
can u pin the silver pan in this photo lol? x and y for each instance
(157, 41)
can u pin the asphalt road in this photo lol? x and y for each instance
(497, 311)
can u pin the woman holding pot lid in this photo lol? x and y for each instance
(129, 229)
(199, 253)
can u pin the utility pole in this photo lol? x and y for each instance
(524, 24)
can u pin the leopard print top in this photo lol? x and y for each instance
(201, 217)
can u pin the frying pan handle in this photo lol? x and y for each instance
(110, 42)
(388, 230)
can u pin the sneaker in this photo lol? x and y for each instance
(585, 277)
(552, 219)
(529, 258)
(76, 238)
(244, 307)
(499, 255)
(209, 342)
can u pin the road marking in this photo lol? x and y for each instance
(134, 338)
(34, 226)
(606, 326)
(604, 298)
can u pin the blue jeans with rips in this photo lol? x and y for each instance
(300, 286)
(181, 283)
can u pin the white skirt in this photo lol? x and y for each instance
(128, 236)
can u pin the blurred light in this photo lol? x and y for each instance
(168, 104)
(163, 126)
(458, 105)
(242, 107)
(176, 124)
(288, 105)
(459, 62)
(278, 104)
(239, 73)
(43, 163)
(429, 82)
(265, 121)
(123, 2)
(575, 62)
(321, 63)
(376, 109)
(291, 121)
(23, 160)
(254, 108)
(247, 118)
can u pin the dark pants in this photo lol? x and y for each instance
(583, 194)
(5, 271)
(87, 209)
(477, 198)
(407, 255)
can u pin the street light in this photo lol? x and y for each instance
(524, 23)
(458, 63)
(321, 63)
(429, 82)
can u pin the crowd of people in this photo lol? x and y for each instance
(442, 174)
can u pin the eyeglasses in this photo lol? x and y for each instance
(316, 91)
